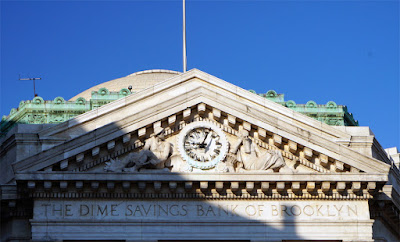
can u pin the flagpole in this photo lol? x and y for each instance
(184, 37)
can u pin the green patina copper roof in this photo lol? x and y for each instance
(329, 113)
(39, 111)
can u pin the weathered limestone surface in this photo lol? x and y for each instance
(189, 219)
(195, 157)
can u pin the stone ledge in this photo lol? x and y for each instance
(170, 176)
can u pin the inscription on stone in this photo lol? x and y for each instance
(223, 210)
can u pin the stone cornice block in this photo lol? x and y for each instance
(186, 113)
(292, 146)
(171, 119)
(249, 187)
(95, 151)
(341, 186)
(247, 126)
(94, 185)
(216, 112)
(110, 186)
(280, 186)
(63, 185)
(310, 187)
(79, 184)
(265, 187)
(323, 159)
(157, 186)
(235, 186)
(371, 186)
(188, 185)
(277, 140)
(308, 153)
(262, 132)
(231, 119)
(142, 132)
(64, 164)
(47, 185)
(172, 185)
(339, 165)
(219, 186)
(126, 138)
(111, 145)
(141, 185)
(31, 184)
(356, 186)
(80, 157)
(126, 185)
(326, 186)
(201, 107)
(296, 186)
(204, 185)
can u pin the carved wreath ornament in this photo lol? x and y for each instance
(202, 145)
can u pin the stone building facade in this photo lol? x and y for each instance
(189, 156)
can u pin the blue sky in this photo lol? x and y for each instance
(345, 51)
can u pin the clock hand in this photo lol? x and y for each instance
(206, 138)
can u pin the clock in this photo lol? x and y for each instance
(202, 144)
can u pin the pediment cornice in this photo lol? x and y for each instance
(200, 186)
(275, 126)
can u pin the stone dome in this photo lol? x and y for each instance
(138, 80)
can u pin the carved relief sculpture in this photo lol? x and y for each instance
(154, 155)
(250, 158)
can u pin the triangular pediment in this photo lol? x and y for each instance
(122, 127)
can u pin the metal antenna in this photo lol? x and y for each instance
(184, 37)
(31, 79)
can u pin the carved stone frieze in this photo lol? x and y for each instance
(204, 139)
(154, 155)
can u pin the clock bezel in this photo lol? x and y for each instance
(197, 164)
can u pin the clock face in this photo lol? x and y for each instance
(202, 144)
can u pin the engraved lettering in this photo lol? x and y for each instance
(83, 210)
(184, 209)
(128, 211)
(210, 209)
(250, 210)
(260, 209)
(200, 211)
(173, 208)
(274, 209)
(148, 210)
(68, 210)
(233, 210)
(45, 208)
(103, 212)
(338, 209)
(329, 212)
(283, 209)
(352, 210)
(164, 210)
(137, 209)
(293, 210)
(57, 210)
(113, 210)
(308, 210)
(220, 208)
(319, 211)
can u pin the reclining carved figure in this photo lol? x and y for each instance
(250, 158)
(155, 153)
